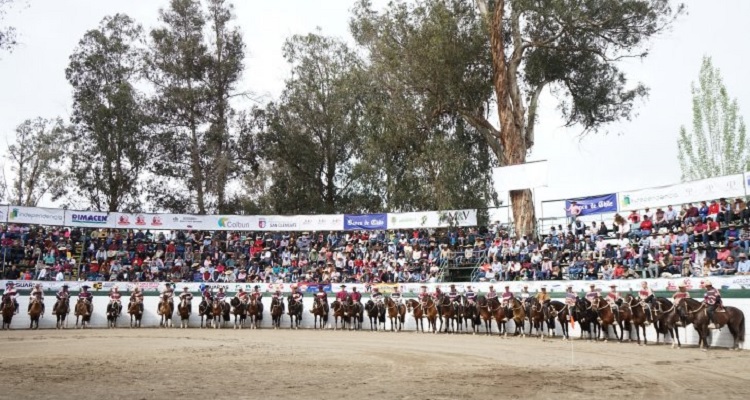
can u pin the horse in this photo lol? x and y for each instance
(61, 310)
(166, 309)
(558, 310)
(607, 318)
(538, 315)
(113, 312)
(183, 309)
(518, 316)
(625, 321)
(205, 310)
(82, 313)
(339, 311)
(8, 309)
(431, 312)
(487, 310)
(35, 311)
(639, 317)
(239, 310)
(471, 313)
(319, 312)
(396, 314)
(448, 312)
(355, 311)
(375, 314)
(295, 312)
(415, 307)
(696, 312)
(667, 319)
(254, 313)
(217, 309)
(136, 314)
(277, 310)
(586, 316)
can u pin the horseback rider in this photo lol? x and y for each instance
(491, 294)
(276, 294)
(221, 295)
(614, 300)
(296, 294)
(507, 299)
(454, 298)
(242, 296)
(712, 298)
(470, 295)
(87, 298)
(62, 295)
(592, 295)
(322, 297)
(187, 296)
(36, 293)
(257, 295)
(356, 296)
(543, 297)
(647, 297)
(167, 294)
(682, 293)
(423, 295)
(342, 295)
(525, 297)
(114, 296)
(437, 293)
(137, 298)
(570, 300)
(396, 295)
(208, 297)
(10, 293)
(376, 296)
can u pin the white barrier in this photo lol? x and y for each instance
(151, 320)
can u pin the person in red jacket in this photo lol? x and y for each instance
(342, 295)
(356, 296)
(646, 226)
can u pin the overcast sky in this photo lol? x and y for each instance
(635, 154)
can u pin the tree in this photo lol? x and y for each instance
(111, 142)
(195, 62)
(717, 144)
(36, 159)
(444, 49)
(7, 33)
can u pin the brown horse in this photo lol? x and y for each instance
(696, 312)
(165, 309)
(339, 312)
(606, 317)
(8, 309)
(538, 315)
(356, 313)
(277, 310)
(216, 311)
(431, 312)
(396, 314)
(183, 309)
(136, 314)
(35, 311)
(415, 307)
(254, 313)
(625, 321)
(205, 311)
(61, 310)
(375, 314)
(667, 319)
(449, 313)
(487, 312)
(320, 312)
(518, 312)
(471, 314)
(239, 310)
(82, 312)
(559, 311)
(639, 317)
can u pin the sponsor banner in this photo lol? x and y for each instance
(606, 203)
(432, 219)
(88, 219)
(689, 192)
(331, 222)
(162, 221)
(235, 223)
(36, 216)
(365, 222)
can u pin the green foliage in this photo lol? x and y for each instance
(717, 144)
(109, 134)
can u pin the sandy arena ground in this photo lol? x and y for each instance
(217, 364)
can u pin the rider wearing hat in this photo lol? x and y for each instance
(376, 296)
(322, 296)
(10, 293)
(115, 295)
(570, 296)
(437, 293)
(543, 297)
(187, 296)
(38, 294)
(507, 297)
(355, 295)
(62, 295)
(614, 299)
(296, 294)
(454, 297)
(592, 294)
(470, 295)
(525, 297)
(208, 297)
(137, 298)
(167, 294)
(682, 293)
(647, 297)
(491, 294)
(712, 298)
(86, 296)
(342, 295)
(257, 295)
(221, 295)
(241, 295)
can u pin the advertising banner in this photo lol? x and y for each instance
(87, 219)
(606, 203)
(36, 216)
(689, 192)
(4, 214)
(432, 219)
(365, 222)
(162, 221)
(276, 223)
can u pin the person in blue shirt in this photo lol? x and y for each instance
(731, 232)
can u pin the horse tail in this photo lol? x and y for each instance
(741, 328)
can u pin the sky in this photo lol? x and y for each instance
(633, 154)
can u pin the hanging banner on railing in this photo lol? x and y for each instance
(162, 221)
(365, 222)
(606, 203)
(432, 219)
(323, 222)
(87, 219)
(36, 216)
(689, 192)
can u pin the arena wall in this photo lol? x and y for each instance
(151, 320)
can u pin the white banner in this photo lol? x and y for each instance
(162, 221)
(331, 222)
(689, 192)
(36, 216)
(522, 176)
(87, 219)
(3, 214)
(432, 219)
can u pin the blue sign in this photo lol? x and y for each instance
(365, 222)
(606, 203)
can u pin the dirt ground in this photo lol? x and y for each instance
(217, 364)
